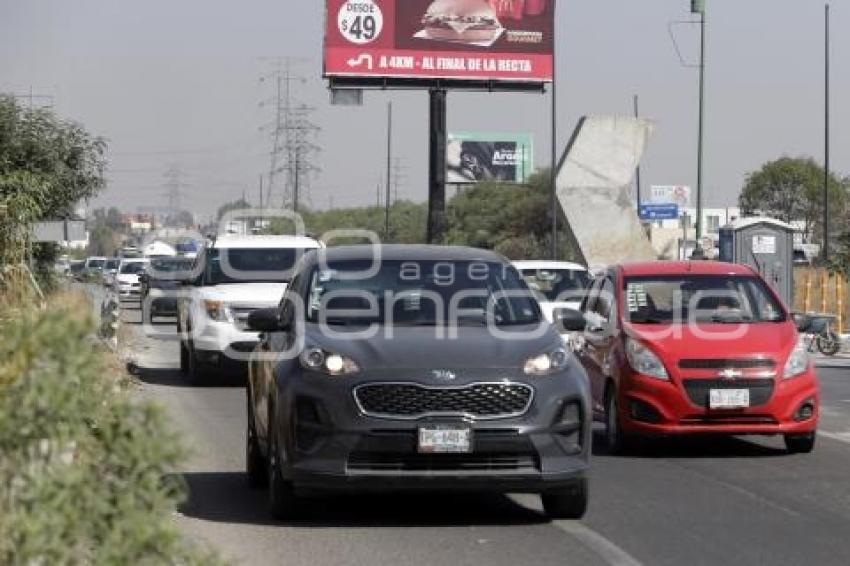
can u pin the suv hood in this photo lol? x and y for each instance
(254, 294)
(419, 348)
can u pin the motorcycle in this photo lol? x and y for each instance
(818, 334)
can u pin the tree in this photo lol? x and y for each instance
(514, 220)
(791, 189)
(47, 166)
(60, 154)
(239, 204)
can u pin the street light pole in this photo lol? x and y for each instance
(698, 7)
(826, 147)
(554, 155)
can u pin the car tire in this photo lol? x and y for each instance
(567, 503)
(256, 465)
(184, 359)
(829, 344)
(283, 504)
(616, 441)
(194, 367)
(800, 443)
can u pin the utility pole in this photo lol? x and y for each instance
(698, 7)
(389, 171)
(826, 145)
(637, 172)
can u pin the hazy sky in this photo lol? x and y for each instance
(177, 82)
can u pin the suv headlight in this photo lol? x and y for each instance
(217, 310)
(547, 363)
(317, 359)
(798, 362)
(643, 361)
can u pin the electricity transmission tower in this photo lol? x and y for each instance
(293, 134)
(399, 176)
(173, 187)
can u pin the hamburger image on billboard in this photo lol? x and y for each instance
(461, 21)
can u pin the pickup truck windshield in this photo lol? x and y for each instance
(251, 265)
(700, 298)
(421, 293)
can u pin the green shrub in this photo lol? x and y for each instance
(84, 468)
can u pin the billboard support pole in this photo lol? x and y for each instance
(389, 170)
(437, 165)
(554, 163)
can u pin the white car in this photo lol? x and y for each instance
(558, 284)
(232, 277)
(125, 282)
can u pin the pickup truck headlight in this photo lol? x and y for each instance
(217, 310)
(317, 359)
(798, 362)
(643, 361)
(547, 363)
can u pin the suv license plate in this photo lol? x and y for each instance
(445, 440)
(729, 398)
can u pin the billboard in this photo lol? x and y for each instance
(479, 157)
(477, 40)
(671, 194)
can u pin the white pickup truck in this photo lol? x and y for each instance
(232, 276)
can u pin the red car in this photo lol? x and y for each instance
(679, 348)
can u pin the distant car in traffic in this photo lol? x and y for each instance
(110, 270)
(127, 284)
(560, 284)
(232, 276)
(94, 267)
(160, 286)
(681, 348)
(423, 368)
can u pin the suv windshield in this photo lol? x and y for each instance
(170, 265)
(721, 299)
(112, 264)
(134, 267)
(232, 265)
(421, 293)
(557, 284)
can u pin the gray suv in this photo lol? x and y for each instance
(415, 368)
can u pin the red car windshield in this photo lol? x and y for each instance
(700, 298)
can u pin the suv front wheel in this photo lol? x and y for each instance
(567, 503)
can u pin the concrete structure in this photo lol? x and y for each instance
(593, 183)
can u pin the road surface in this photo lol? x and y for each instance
(733, 502)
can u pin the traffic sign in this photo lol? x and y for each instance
(653, 212)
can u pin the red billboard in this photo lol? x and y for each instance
(486, 40)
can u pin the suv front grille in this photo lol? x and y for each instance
(698, 389)
(367, 462)
(413, 401)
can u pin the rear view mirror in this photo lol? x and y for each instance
(569, 320)
(265, 320)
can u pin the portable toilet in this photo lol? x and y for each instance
(766, 245)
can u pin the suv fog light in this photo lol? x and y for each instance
(571, 415)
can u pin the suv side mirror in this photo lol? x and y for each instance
(569, 320)
(265, 320)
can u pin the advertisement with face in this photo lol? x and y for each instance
(486, 40)
(476, 158)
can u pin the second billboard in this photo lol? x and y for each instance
(480, 157)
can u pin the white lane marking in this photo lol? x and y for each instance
(609, 552)
(839, 436)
